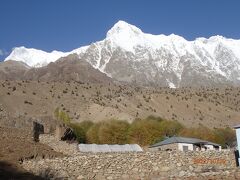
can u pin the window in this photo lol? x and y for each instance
(185, 148)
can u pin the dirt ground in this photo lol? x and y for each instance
(16, 145)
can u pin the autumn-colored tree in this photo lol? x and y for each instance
(145, 132)
(170, 128)
(200, 132)
(92, 133)
(113, 132)
(224, 136)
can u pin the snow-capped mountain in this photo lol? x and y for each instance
(39, 58)
(128, 54)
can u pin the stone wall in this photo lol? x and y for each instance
(59, 146)
(145, 165)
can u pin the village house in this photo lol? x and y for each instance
(184, 144)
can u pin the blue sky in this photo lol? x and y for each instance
(67, 24)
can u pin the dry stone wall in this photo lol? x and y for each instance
(144, 165)
(59, 146)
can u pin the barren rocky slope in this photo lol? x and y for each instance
(23, 101)
(65, 69)
(13, 70)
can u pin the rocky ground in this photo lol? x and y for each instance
(16, 146)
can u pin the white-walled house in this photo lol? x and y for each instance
(184, 144)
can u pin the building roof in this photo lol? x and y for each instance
(236, 127)
(211, 143)
(95, 148)
(174, 139)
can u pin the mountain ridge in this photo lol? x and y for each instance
(130, 55)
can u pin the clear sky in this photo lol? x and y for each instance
(67, 24)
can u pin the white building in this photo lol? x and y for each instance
(185, 144)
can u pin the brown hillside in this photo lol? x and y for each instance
(22, 101)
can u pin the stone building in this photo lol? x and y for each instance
(184, 144)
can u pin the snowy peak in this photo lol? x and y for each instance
(34, 57)
(123, 28)
(38, 58)
(125, 35)
(129, 37)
